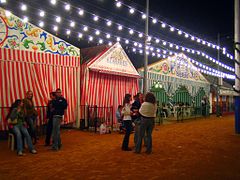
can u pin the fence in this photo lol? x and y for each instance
(93, 116)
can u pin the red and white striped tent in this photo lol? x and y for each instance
(42, 73)
(107, 74)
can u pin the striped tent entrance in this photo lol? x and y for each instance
(107, 74)
(41, 73)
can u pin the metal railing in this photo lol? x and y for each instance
(93, 116)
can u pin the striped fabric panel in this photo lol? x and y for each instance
(40, 72)
(105, 90)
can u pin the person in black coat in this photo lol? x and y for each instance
(59, 105)
(49, 119)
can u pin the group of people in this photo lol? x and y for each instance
(23, 116)
(139, 115)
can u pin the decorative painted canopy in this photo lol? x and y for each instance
(114, 60)
(175, 72)
(177, 66)
(17, 34)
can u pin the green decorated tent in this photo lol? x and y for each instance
(175, 79)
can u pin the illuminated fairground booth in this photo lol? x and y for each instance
(225, 101)
(107, 74)
(33, 59)
(176, 83)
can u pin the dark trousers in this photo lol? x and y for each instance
(49, 131)
(128, 126)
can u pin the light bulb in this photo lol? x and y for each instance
(118, 4)
(85, 28)
(67, 7)
(72, 24)
(120, 27)
(81, 12)
(131, 31)
(58, 19)
(42, 13)
(109, 23)
(68, 32)
(53, 2)
(131, 11)
(23, 7)
(154, 21)
(144, 16)
(95, 18)
(80, 35)
(41, 24)
(97, 32)
(55, 28)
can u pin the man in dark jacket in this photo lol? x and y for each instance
(58, 105)
(49, 119)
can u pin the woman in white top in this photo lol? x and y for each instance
(148, 113)
(127, 120)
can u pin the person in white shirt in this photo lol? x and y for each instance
(127, 120)
(148, 113)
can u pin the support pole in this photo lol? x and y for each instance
(237, 61)
(219, 83)
(145, 82)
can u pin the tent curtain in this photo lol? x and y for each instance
(40, 72)
(105, 90)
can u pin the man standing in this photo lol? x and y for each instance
(30, 114)
(58, 105)
(49, 119)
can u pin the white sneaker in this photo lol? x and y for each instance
(20, 153)
(33, 151)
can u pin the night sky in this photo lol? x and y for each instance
(204, 19)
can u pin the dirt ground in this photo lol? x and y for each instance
(196, 149)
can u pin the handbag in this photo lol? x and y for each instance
(13, 122)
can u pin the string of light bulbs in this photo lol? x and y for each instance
(174, 29)
(108, 36)
(109, 23)
(157, 40)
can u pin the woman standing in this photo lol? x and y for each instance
(127, 120)
(148, 113)
(19, 128)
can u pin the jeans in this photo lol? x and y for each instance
(49, 131)
(19, 130)
(146, 126)
(56, 132)
(128, 126)
(136, 131)
(32, 124)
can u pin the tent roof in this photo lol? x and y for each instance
(90, 53)
(178, 66)
(109, 59)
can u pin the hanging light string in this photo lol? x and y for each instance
(131, 31)
(172, 28)
(81, 12)
(97, 32)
